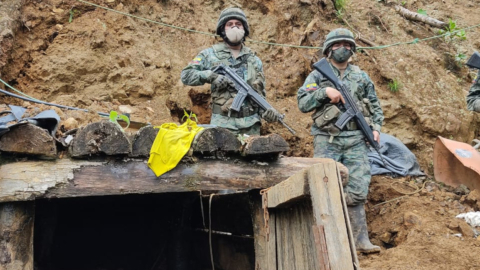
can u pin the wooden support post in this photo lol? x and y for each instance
(311, 220)
(16, 235)
(328, 212)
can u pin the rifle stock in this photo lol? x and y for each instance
(352, 111)
(244, 90)
(474, 61)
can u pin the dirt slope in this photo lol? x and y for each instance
(101, 60)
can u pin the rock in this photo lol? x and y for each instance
(454, 225)
(410, 219)
(70, 123)
(386, 237)
(125, 109)
(473, 196)
(58, 27)
(466, 230)
(58, 10)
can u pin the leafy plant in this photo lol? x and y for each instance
(394, 85)
(114, 117)
(72, 13)
(460, 57)
(404, 3)
(452, 32)
(422, 12)
(340, 5)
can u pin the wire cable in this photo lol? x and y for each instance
(415, 41)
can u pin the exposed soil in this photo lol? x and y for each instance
(104, 61)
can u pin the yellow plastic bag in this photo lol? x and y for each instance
(171, 144)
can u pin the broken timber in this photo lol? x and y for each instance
(29, 139)
(414, 16)
(23, 181)
(311, 228)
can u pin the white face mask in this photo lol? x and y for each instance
(235, 34)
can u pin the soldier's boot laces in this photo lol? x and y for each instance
(359, 228)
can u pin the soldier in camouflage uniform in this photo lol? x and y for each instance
(233, 27)
(347, 146)
(473, 97)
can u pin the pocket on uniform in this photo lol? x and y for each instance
(324, 117)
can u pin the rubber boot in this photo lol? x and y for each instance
(359, 229)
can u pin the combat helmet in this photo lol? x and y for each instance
(229, 14)
(339, 34)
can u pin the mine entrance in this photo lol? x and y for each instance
(151, 232)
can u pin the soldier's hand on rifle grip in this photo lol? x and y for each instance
(222, 83)
(376, 136)
(334, 95)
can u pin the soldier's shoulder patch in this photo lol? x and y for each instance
(196, 60)
(311, 87)
(475, 80)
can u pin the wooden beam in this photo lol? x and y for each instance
(23, 181)
(16, 235)
(296, 187)
(328, 212)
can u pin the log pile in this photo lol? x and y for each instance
(105, 138)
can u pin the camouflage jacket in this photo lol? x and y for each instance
(473, 97)
(312, 96)
(247, 65)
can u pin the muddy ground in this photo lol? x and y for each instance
(72, 53)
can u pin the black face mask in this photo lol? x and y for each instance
(341, 54)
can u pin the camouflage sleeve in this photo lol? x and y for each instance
(197, 71)
(377, 111)
(260, 80)
(310, 96)
(473, 97)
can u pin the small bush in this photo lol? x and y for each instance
(394, 85)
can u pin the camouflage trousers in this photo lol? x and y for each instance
(247, 125)
(351, 151)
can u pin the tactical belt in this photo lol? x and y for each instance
(244, 112)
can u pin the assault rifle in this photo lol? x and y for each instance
(244, 90)
(474, 61)
(351, 108)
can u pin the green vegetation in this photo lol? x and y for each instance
(394, 85)
(452, 32)
(340, 5)
(114, 117)
(72, 13)
(422, 12)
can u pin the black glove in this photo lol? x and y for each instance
(222, 83)
(271, 115)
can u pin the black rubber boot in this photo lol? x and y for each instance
(359, 228)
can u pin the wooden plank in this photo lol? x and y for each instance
(321, 244)
(353, 250)
(288, 191)
(16, 235)
(328, 212)
(264, 235)
(295, 239)
(23, 181)
(296, 187)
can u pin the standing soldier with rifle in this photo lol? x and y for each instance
(473, 97)
(232, 27)
(344, 142)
